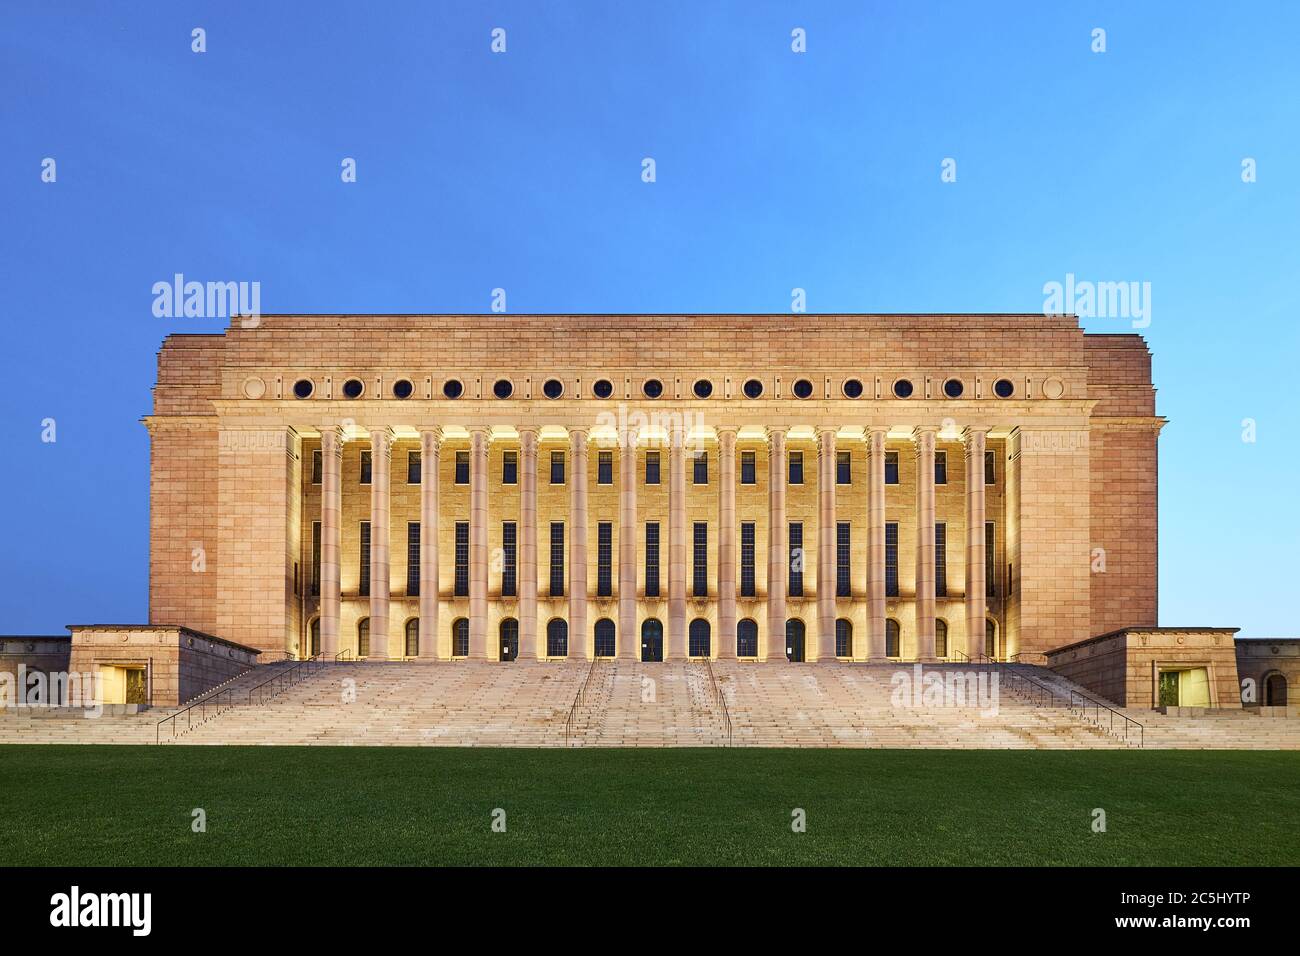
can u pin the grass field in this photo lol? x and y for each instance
(339, 806)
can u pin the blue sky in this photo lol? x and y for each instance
(774, 170)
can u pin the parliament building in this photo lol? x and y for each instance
(767, 487)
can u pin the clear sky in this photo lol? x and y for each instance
(522, 170)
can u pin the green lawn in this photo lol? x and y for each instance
(320, 805)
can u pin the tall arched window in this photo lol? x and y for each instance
(699, 638)
(315, 638)
(605, 641)
(1275, 690)
(746, 638)
(991, 639)
(509, 634)
(940, 638)
(843, 637)
(413, 637)
(557, 638)
(893, 639)
(363, 637)
(460, 637)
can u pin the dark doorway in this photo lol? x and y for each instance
(794, 640)
(509, 639)
(652, 641)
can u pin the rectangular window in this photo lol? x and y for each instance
(700, 569)
(412, 467)
(462, 468)
(701, 468)
(315, 559)
(652, 559)
(652, 468)
(510, 468)
(557, 467)
(557, 559)
(891, 467)
(796, 468)
(605, 468)
(990, 471)
(891, 559)
(843, 556)
(747, 559)
(364, 577)
(940, 467)
(748, 473)
(365, 467)
(412, 558)
(990, 569)
(315, 467)
(604, 559)
(461, 586)
(796, 559)
(843, 468)
(509, 559)
(940, 559)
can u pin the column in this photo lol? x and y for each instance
(430, 448)
(331, 520)
(976, 572)
(578, 642)
(826, 549)
(676, 649)
(924, 437)
(478, 549)
(381, 458)
(629, 641)
(726, 637)
(778, 566)
(876, 544)
(528, 544)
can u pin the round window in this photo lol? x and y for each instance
(503, 388)
(602, 388)
(852, 388)
(903, 388)
(802, 388)
(953, 388)
(1003, 388)
(452, 388)
(403, 388)
(553, 388)
(753, 388)
(703, 388)
(303, 388)
(653, 388)
(353, 388)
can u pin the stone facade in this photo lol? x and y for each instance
(22, 655)
(1273, 664)
(1124, 666)
(179, 663)
(253, 541)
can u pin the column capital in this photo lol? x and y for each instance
(579, 435)
(628, 436)
(382, 435)
(775, 432)
(720, 430)
(532, 430)
(332, 439)
(827, 431)
(971, 432)
(920, 431)
(432, 431)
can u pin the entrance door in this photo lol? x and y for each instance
(135, 686)
(509, 639)
(794, 639)
(1169, 688)
(652, 641)
(1275, 691)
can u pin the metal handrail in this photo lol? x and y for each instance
(344, 656)
(287, 677)
(210, 705)
(1074, 700)
(959, 654)
(578, 699)
(720, 697)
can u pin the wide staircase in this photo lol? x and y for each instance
(616, 703)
